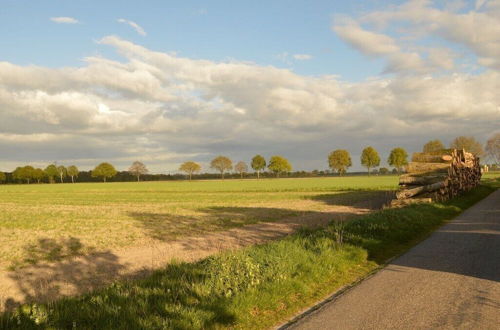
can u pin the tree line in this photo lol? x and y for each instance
(339, 161)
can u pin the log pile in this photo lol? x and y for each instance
(437, 177)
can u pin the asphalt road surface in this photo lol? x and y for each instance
(449, 281)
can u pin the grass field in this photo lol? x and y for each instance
(96, 216)
(267, 283)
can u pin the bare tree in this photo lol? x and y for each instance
(493, 148)
(137, 168)
(241, 168)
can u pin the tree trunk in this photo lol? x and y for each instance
(368, 171)
(258, 174)
(104, 179)
(241, 175)
(72, 179)
(190, 174)
(222, 174)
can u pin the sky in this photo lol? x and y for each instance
(163, 82)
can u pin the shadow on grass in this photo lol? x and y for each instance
(371, 199)
(49, 249)
(54, 268)
(167, 227)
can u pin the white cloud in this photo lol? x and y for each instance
(134, 25)
(302, 57)
(64, 20)
(166, 109)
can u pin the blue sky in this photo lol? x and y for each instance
(258, 31)
(164, 82)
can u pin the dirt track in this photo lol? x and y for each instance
(47, 281)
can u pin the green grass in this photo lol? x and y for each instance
(120, 215)
(253, 288)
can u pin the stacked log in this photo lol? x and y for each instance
(437, 177)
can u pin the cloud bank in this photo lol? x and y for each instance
(164, 109)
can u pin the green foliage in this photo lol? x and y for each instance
(221, 164)
(24, 173)
(104, 171)
(51, 172)
(398, 158)
(258, 164)
(73, 172)
(384, 170)
(3, 177)
(279, 164)
(62, 172)
(266, 282)
(339, 160)
(370, 158)
(190, 168)
(469, 143)
(38, 174)
(433, 146)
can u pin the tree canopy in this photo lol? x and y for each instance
(104, 171)
(190, 168)
(73, 172)
(279, 164)
(258, 164)
(38, 174)
(51, 172)
(469, 143)
(398, 158)
(241, 167)
(24, 173)
(493, 148)
(62, 172)
(370, 158)
(221, 164)
(339, 160)
(138, 168)
(433, 146)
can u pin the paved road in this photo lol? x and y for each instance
(449, 281)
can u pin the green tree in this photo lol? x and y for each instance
(493, 148)
(469, 143)
(23, 173)
(104, 171)
(62, 172)
(51, 172)
(241, 168)
(383, 170)
(3, 177)
(73, 172)
(258, 164)
(370, 158)
(221, 164)
(138, 168)
(38, 174)
(339, 160)
(398, 158)
(279, 164)
(433, 146)
(190, 168)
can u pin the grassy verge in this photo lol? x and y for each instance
(252, 288)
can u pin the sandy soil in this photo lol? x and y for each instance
(49, 281)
